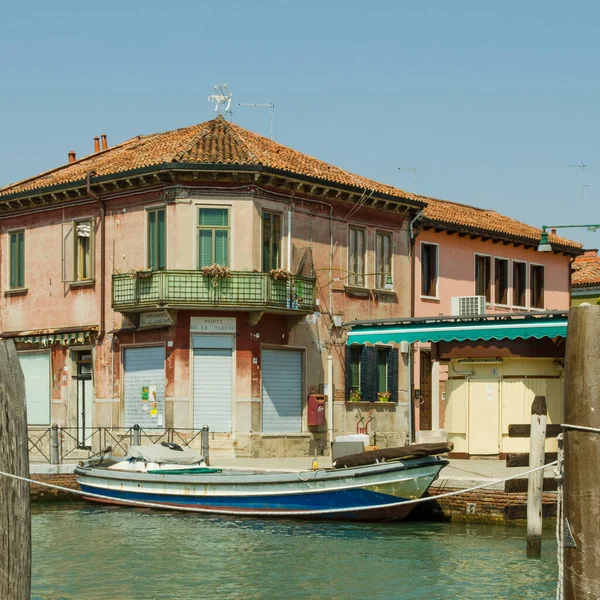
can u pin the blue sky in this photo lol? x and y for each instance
(491, 102)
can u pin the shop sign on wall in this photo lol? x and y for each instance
(157, 318)
(212, 325)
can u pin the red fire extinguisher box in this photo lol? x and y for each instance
(316, 409)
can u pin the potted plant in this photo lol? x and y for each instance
(384, 396)
(281, 274)
(216, 272)
(140, 273)
(355, 395)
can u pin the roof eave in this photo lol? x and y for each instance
(174, 166)
(515, 239)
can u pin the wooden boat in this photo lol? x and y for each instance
(374, 491)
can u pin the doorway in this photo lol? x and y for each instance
(425, 387)
(85, 397)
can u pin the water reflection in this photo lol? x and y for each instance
(86, 552)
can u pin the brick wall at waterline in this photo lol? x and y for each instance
(41, 493)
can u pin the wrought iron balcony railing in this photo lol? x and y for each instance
(180, 289)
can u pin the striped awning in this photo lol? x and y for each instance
(64, 339)
(453, 331)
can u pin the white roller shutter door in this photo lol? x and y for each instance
(144, 367)
(36, 370)
(281, 391)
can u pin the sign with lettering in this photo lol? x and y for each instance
(157, 318)
(212, 325)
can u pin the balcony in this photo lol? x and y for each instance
(243, 290)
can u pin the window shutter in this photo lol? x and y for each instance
(205, 248)
(160, 242)
(347, 375)
(392, 372)
(368, 373)
(222, 247)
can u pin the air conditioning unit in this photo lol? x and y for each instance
(466, 306)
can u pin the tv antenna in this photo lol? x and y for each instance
(271, 108)
(581, 166)
(221, 98)
(414, 172)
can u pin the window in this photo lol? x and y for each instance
(383, 259)
(271, 241)
(519, 283)
(156, 239)
(501, 280)
(354, 366)
(371, 373)
(382, 374)
(483, 277)
(213, 237)
(356, 257)
(429, 270)
(17, 259)
(82, 257)
(536, 278)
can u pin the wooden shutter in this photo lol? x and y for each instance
(368, 373)
(347, 375)
(68, 252)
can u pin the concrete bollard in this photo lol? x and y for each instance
(136, 435)
(204, 444)
(54, 455)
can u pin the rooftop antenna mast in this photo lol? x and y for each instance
(581, 166)
(222, 99)
(414, 172)
(271, 108)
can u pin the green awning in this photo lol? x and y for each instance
(452, 331)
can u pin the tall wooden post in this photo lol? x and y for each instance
(535, 484)
(15, 516)
(582, 454)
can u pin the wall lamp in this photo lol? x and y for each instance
(545, 243)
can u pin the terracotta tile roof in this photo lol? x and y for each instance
(444, 212)
(213, 142)
(585, 271)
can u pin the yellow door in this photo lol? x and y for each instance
(484, 416)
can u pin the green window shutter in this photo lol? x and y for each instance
(205, 258)
(13, 260)
(222, 247)
(267, 222)
(214, 217)
(21, 253)
(152, 239)
(160, 242)
(382, 382)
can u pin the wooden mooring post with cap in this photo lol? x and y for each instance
(582, 456)
(15, 516)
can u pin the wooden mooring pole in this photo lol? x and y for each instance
(582, 456)
(539, 417)
(15, 516)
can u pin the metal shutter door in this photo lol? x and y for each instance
(213, 387)
(143, 367)
(36, 370)
(281, 391)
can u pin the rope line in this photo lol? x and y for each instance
(580, 428)
(280, 513)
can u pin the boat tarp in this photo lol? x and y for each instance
(535, 327)
(163, 454)
(374, 456)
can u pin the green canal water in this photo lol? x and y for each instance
(84, 552)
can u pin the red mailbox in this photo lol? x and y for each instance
(316, 409)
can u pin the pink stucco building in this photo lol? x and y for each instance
(475, 261)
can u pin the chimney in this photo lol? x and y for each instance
(553, 231)
(104, 142)
(72, 156)
(591, 252)
(96, 144)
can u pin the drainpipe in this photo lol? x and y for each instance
(330, 399)
(289, 240)
(411, 253)
(88, 184)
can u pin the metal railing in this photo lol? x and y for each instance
(192, 288)
(57, 445)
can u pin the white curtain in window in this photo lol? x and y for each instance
(83, 230)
